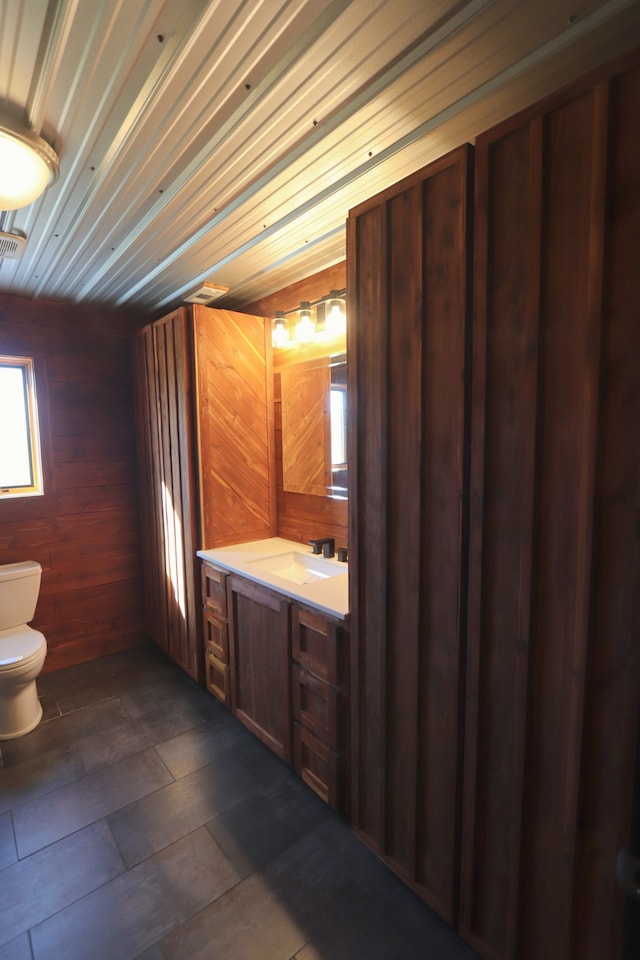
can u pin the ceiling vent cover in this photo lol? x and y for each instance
(206, 293)
(12, 246)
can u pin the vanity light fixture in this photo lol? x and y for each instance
(306, 328)
(28, 165)
(323, 319)
(280, 333)
(335, 316)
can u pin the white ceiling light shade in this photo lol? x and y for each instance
(28, 165)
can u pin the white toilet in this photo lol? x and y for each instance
(22, 649)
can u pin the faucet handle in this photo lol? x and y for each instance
(328, 547)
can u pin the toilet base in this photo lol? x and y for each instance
(20, 709)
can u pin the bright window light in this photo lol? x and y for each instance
(338, 401)
(20, 461)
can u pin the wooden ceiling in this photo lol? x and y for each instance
(226, 140)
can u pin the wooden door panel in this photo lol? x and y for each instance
(409, 284)
(546, 806)
(167, 489)
(259, 662)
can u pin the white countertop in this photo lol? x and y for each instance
(330, 595)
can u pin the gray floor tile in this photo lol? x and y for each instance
(231, 857)
(154, 822)
(38, 775)
(126, 738)
(127, 916)
(61, 812)
(259, 829)
(273, 913)
(8, 852)
(50, 708)
(198, 747)
(48, 881)
(63, 731)
(18, 949)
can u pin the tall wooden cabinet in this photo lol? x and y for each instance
(496, 644)
(554, 583)
(408, 260)
(205, 437)
(168, 487)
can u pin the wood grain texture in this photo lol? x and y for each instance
(168, 498)
(259, 659)
(235, 427)
(409, 290)
(306, 428)
(84, 530)
(552, 670)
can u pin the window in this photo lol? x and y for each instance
(20, 462)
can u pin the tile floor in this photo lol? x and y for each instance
(140, 819)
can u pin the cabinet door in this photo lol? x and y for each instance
(259, 660)
(216, 677)
(234, 403)
(318, 643)
(554, 581)
(318, 706)
(408, 260)
(168, 496)
(214, 590)
(214, 613)
(318, 766)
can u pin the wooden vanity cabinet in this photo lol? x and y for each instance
(319, 678)
(259, 662)
(215, 632)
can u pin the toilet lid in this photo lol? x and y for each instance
(19, 645)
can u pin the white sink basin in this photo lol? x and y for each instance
(298, 567)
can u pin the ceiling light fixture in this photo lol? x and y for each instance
(28, 165)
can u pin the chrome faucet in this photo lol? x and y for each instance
(325, 544)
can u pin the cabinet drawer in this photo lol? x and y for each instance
(316, 706)
(216, 635)
(216, 676)
(318, 643)
(318, 766)
(214, 591)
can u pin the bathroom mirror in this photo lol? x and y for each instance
(314, 426)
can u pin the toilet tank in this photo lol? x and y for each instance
(19, 588)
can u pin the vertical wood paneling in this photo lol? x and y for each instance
(501, 548)
(612, 694)
(167, 488)
(443, 491)
(553, 587)
(408, 275)
(568, 410)
(403, 520)
(367, 346)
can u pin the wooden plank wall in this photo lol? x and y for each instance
(85, 530)
(302, 516)
(409, 295)
(554, 600)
